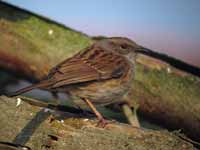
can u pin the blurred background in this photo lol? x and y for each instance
(170, 27)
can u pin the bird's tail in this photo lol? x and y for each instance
(41, 84)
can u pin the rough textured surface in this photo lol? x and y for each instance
(171, 98)
(165, 94)
(32, 126)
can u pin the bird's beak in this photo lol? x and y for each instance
(142, 50)
(170, 60)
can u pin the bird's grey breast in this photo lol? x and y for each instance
(105, 92)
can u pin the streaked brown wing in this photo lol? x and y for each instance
(97, 64)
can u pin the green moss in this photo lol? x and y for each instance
(40, 36)
(169, 86)
(164, 84)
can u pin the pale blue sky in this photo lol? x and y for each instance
(171, 26)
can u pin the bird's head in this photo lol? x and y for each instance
(121, 45)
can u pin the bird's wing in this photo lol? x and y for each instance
(98, 64)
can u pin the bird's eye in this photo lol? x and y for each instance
(123, 46)
(124, 49)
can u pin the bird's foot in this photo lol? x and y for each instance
(102, 123)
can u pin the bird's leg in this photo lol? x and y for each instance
(102, 121)
(130, 111)
(54, 94)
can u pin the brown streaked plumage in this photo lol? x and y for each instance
(100, 74)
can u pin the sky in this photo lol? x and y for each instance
(167, 26)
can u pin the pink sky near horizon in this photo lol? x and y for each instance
(176, 44)
(170, 43)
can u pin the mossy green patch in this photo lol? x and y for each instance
(41, 36)
(170, 88)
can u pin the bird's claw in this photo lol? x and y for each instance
(102, 123)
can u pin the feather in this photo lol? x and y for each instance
(93, 65)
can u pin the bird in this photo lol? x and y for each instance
(100, 74)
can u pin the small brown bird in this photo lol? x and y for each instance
(101, 74)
